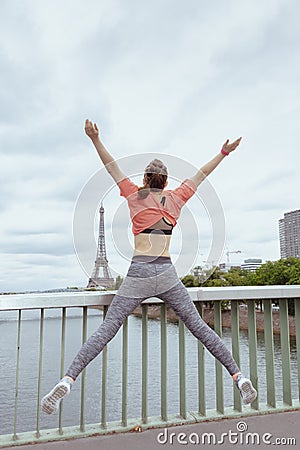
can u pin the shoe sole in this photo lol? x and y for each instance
(51, 401)
(249, 394)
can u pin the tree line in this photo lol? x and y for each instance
(280, 272)
(283, 271)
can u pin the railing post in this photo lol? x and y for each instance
(235, 332)
(269, 353)
(125, 372)
(40, 373)
(83, 376)
(62, 363)
(104, 378)
(201, 369)
(252, 336)
(182, 373)
(285, 351)
(219, 367)
(144, 363)
(163, 359)
(17, 374)
(297, 319)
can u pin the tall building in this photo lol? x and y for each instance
(289, 234)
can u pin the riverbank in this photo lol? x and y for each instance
(154, 313)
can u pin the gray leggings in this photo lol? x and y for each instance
(151, 277)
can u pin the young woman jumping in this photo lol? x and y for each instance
(154, 212)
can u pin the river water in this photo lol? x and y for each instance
(29, 359)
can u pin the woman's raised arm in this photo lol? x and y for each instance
(213, 163)
(110, 164)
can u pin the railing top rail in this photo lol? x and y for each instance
(55, 300)
(79, 299)
(249, 292)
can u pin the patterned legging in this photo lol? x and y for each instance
(157, 278)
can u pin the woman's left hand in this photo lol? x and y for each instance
(230, 147)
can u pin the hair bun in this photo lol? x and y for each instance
(156, 166)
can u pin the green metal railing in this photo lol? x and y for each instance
(142, 420)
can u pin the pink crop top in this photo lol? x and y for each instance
(146, 212)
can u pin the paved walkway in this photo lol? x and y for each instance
(267, 428)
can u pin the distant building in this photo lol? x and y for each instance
(227, 266)
(251, 264)
(289, 234)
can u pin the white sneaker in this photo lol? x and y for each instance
(50, 402)
(247, 391)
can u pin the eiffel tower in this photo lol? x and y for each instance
(101, 260)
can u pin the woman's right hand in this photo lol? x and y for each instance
(91, 130)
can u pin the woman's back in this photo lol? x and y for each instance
(154, 216)
(145, 212)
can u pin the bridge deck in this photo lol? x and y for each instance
(269, 427)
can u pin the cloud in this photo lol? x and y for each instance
(168, 77)
(38, 272)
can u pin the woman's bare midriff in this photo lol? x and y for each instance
(152, 244)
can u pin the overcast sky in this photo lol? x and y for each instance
(170, 78)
